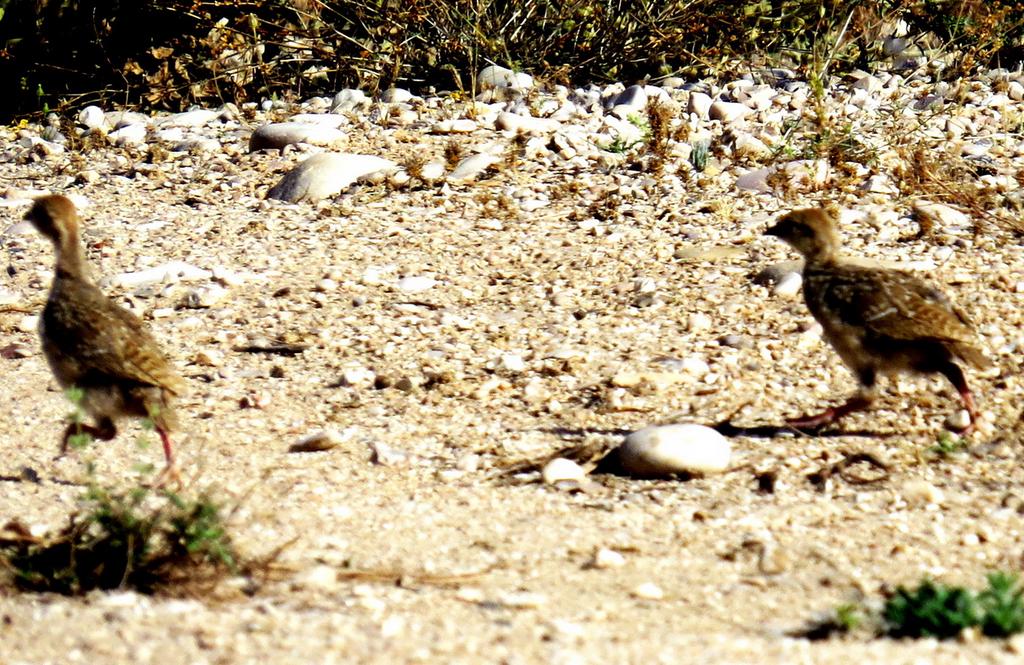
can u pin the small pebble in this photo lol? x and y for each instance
(318, 441)
(648, 591)
(560, 470)
(605, 558)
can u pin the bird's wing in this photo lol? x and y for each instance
(107, 341)
(897, 305)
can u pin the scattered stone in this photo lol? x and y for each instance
(471, 167)
(416, 284)
(648, 591)
(663, 450)
(325, 175)
(789, 285)
(386, 455)
(728, 112)
(168, 273)
(919, 493)
(278, 135)
(562, 470)
(349, 100)
(317, 578)
(205, 296)
(318, 441)
(958, 421)
(699, 104)
(605, 558)
(512, 122)
(495, 76)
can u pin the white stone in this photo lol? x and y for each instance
(699, 104)
(756, 180)
(280, 134)
(459, 126)
(471, 167)
(942, 216)
(129, 134)
(327, 174)
(171, 272)
(728, 112)
(661, 450)
(495, 76)
(196, 118)
(958, 421)
(432, 171)
(648, 591)
(605, 558)
(868, 82)
(324, 439)
(321, 119)
(348, 99)
(28, 324)
(92, 117)
(513, 122)
(921, 493)
(416, 284)
(698, 322)
(205, 296)
(208, 358)
(561, 470)
(395, 96)
(789, 285)
(320, 577)
(747, 145)
(513, 362)
(807, 173)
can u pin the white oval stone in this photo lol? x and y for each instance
(325, 175)
(789, 285)
(348, 100)
(513, 122)
(195, 118)
(470, 167)
(661, 450)
(561, 470)
(699, 104)
(728, 111)
(92, 117)
(416, 283)
(648, 591)
(605, 558)
(280, 134)
(495, 76)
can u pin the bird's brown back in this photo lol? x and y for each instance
(89, 339)
(888, 304)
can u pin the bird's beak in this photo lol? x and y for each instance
(21, 228)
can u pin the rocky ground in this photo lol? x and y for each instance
(510, 281)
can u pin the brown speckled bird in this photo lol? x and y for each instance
(879, 321)
(98, 347)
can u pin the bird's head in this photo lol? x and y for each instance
(55, 217)
(810, 231)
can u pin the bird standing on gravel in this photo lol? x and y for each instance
(879, 321)
(97, 347)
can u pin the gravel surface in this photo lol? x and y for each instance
(564, 287)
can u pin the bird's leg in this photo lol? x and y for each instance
(860, 400)
(104, 431)
(170, 471)
(955, 375)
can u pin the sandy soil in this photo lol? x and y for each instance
(436, 553)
